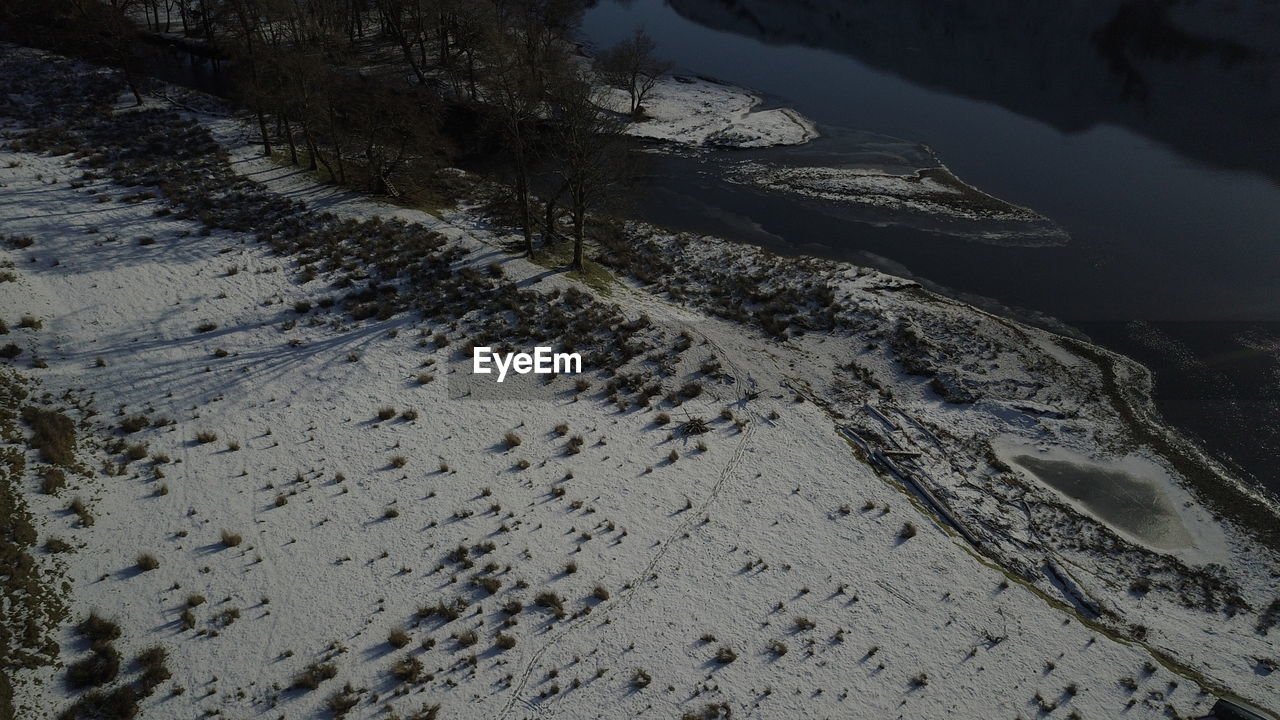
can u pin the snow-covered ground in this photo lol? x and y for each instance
(778, 535)
(700, 112)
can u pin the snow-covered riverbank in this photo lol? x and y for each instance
(699, 112)
(778, 564)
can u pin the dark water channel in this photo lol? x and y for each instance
(1149, 131)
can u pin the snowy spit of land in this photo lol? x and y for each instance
(932, 192)
(698, 111)
(783, 487)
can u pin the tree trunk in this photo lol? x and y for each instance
(549, 229)
(444, 43)
(579, 226)
(577, 242)
(205, 22)
(471, 74)
(407, 50)
(312, 152)
(132, 82)
(522, 196)
(377, 182)
(332, 176)
(266, 137)
(288, 136)
(337, 146)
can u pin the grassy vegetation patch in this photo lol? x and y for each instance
(102, 666)
(964, 196)
(31, 605)
(53, 434)
(560, 255)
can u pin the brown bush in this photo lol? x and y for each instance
(53, 434)
(398, 638)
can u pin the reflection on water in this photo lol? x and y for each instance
(1198, 76)
(1150, 131)
(1132, 504)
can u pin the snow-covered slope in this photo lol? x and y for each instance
(765, 568)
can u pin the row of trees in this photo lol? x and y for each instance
(513, 63)
(361, 132)
(359, 89)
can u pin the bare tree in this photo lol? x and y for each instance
(544, 28)
(591, 151)
(516, 96)
(631, 66)
(406, 22)
(472, 21)
(254, 87)
(101, 31)
(301, 97)
(392, 129)
(104, 32)
(523, 61)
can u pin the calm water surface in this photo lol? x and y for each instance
(1149, 131)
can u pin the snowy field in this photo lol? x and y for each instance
(367, 540)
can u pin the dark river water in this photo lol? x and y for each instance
(1150, 131)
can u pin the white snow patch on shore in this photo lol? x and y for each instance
(933, 192)
(701, 112)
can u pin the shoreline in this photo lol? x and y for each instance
(1212, 481)
(1237, 498)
